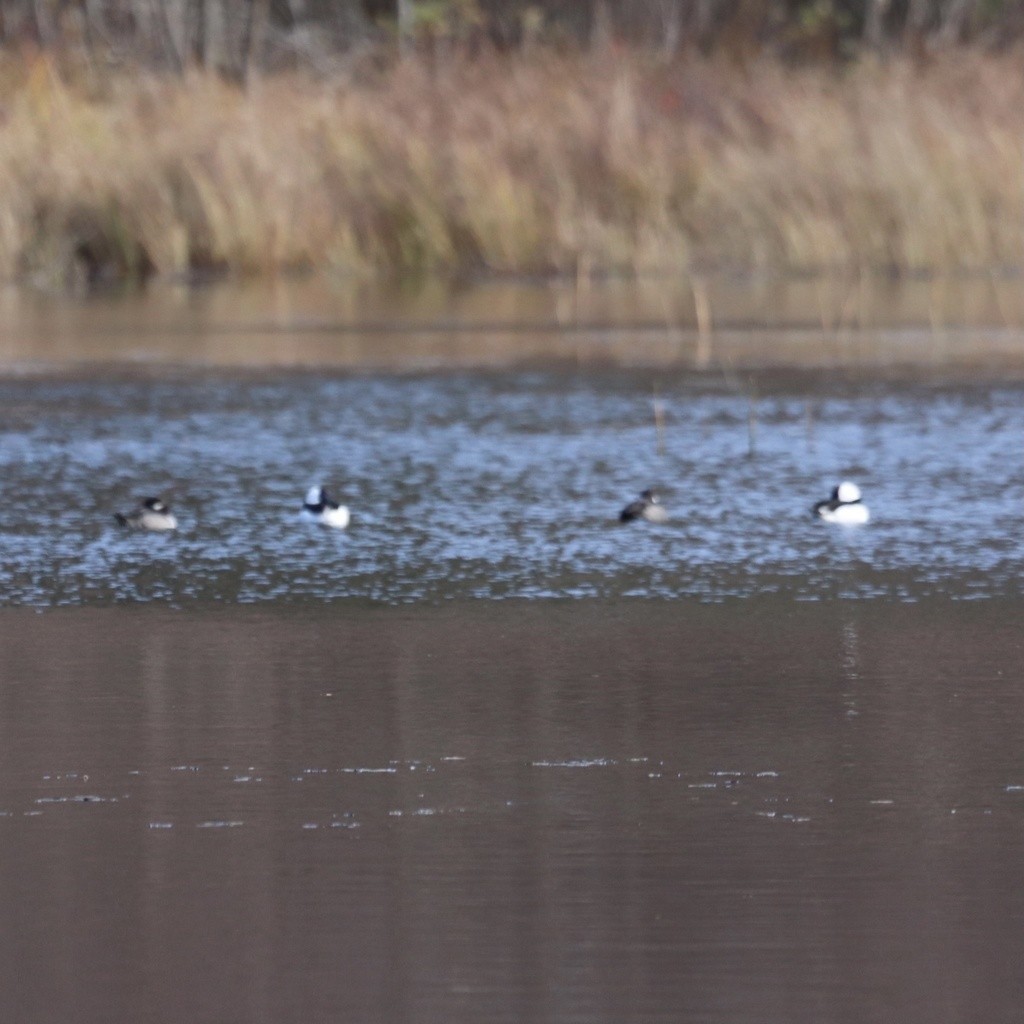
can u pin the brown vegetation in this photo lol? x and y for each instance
(534, 162)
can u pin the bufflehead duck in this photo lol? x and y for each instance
(845, 506)
(152, 514)
(319, 508)
(647, 506)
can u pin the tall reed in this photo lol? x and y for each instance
(533, 163)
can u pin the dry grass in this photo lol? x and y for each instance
(527, 164)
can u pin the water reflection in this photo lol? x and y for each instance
(512, 812)
(850, 661)
(729, 323)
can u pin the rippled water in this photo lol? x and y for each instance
(476, 484)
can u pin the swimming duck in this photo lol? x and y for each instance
(845, 506)
(152, 514)
(647, 506)
(319, 508)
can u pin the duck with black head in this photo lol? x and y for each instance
(647, 507)
(845, 506)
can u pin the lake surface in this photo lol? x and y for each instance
(489, 755)
(496, 485)
(513, 811)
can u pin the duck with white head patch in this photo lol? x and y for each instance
(320, 508)
(844, 507)
(152, 514)
(647, 507)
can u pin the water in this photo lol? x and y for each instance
(488, 755)
(485, 485)
(513, 811)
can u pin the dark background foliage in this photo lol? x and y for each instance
(239, 36)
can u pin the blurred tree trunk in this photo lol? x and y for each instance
(175, 32)
(602, 31)
(955, 17)
(703, 23)
(210, 39)
(916, 26)
(405, 16)
(671, 17)
(252, 40)
(874, 23)
(46, 28)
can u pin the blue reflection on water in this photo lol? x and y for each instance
(505, 485)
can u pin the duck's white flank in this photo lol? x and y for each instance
(844, 507)
(152, 514)
(319, 508)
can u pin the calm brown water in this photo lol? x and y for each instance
(513, 811)
(487, 755)
(934, 326)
